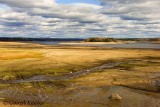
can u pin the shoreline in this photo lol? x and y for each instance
(79, 43)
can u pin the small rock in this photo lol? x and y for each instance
(115, 97)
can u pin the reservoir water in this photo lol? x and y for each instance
(141, 45)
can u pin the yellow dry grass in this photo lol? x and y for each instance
(30, 59)
(82, 56)
(18, 54)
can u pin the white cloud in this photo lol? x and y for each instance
(113, 18)
(29, 3)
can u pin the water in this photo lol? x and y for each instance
(140, 45)
(47, 42)
(130, 45)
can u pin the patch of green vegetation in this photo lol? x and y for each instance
(125, 66)
(131, 65)
(139, 64)
(27, 72)
(48, 86)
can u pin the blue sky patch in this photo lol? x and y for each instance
(78, 1)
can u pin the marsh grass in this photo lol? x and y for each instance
(143, 74)
(125, 67)
(12, 54)
(24, 60)
(131, 66)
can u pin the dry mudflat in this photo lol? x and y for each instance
(136, 78)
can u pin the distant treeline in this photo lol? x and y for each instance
(96, 39)
(39, 39)
(100, 40)
(139, 39)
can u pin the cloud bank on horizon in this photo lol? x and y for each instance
(109, 18)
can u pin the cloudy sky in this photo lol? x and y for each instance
(80, 18)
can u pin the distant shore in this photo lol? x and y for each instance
(79, 43)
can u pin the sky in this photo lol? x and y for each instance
(78, 1)
(80, 18)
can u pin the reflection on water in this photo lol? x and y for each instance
(146, 45)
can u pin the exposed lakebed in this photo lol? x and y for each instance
(61, 92)
(135, 78)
